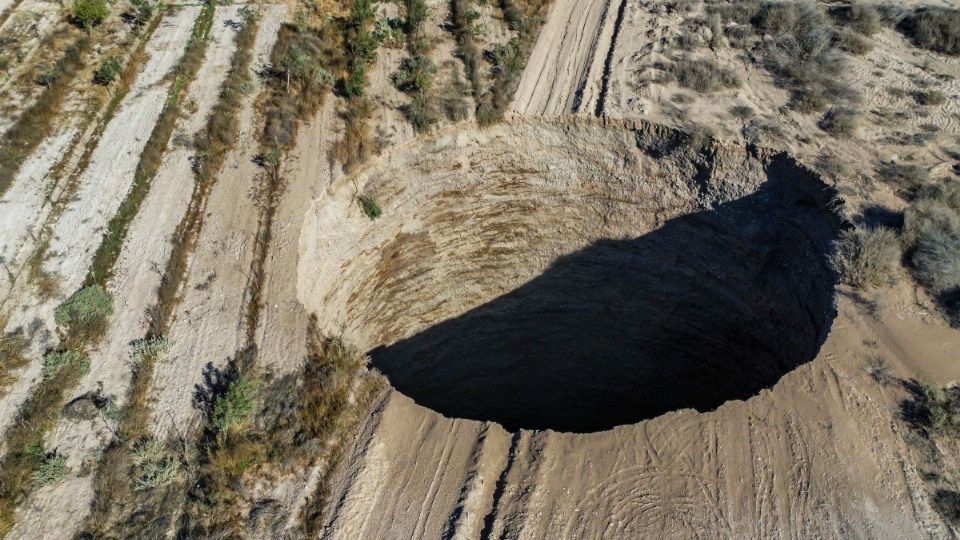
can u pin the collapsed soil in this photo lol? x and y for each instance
(598, 278)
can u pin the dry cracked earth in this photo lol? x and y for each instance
(472, 270)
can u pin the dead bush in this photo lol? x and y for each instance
(804, 54)
(852, 42)
(13, 348)
(863, 18)
(743, 112)
(703, 75)
(840, 121)
(932, 234)
(867, 257)
(934, 28)
(930, 98)
(906, 177)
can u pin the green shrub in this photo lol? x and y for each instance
(369, 206)
(86, 305)
(153, 348)
(89, 13)
(108, 71)
(415, 74)
(703, 75)
(55, 361)
(52, 469)
(153, 464)
(232, 410)
(867, 257)
(48, 76)
(421, 112)
(937, 409)
(803, 53)
(934, 28)
(142, 12)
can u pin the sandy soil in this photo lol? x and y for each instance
(818, 455)
(100, 189)
(209, 326)
(26, 204)
(565, 66)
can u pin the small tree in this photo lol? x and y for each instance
(108, 71)
(89, 13)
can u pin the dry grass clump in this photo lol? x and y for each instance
(852, 42)
(867, 257)
(13, 348)
(135, 467)
(703, 75)
(461, 14)
(934, 28)
(862, 18)
(840, 121)
(932, 236)
(302, 76)
(352, 43)
(930, 98)
(152, 156)
(906, 177)
(416, 72)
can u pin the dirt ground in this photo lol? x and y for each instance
(819, 451)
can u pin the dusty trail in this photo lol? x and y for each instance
(134, 285)
(209, 325)
(779, 465)
(100, 189)
(565, 68)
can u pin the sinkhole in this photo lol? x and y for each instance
(576, 276)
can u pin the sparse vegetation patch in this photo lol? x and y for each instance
(867, 257)
(934, 28)
(703, 75)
